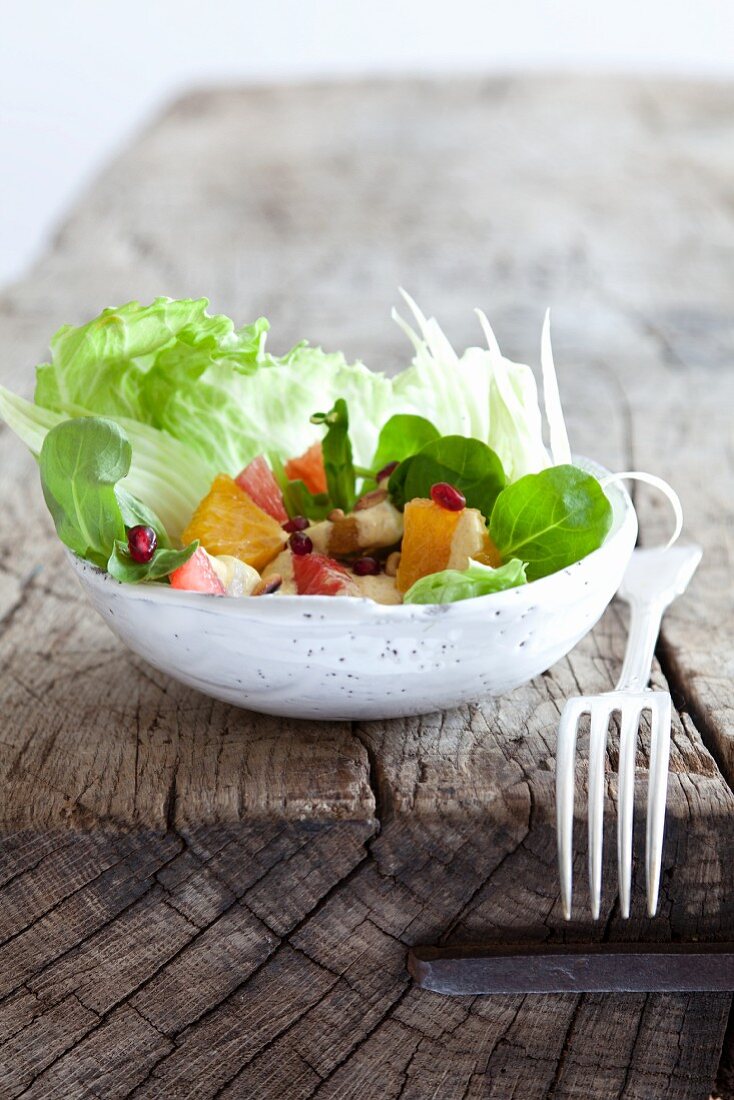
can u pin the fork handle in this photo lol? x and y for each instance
(653, 579)
(645, 618)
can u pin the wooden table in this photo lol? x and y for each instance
(199, 902)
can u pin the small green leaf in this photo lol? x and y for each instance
(337, 452)
(477, 580)
(122, 567)
(297, 498)
(468, 464)
(134, 512)
(300, 501)
(402, 436)
(551, 519)
(80, 462)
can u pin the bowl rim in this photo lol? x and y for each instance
(360, 607)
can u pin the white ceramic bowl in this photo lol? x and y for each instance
(345, 658)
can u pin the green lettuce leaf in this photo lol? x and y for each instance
(337, 451)
(122, 567)
(462, 584)
(165, 475)
(101, 367)
(174, 367)
(403, 435)
(469, 465)
(197, 397)
(551, 519)
(82, 463)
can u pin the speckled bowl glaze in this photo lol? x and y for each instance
(344, 658)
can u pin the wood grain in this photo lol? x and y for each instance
(201, 902)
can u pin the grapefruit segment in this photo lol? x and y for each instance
(258, 481)
(317, 575)
(308, 468)
(197, 575)
(227, 521)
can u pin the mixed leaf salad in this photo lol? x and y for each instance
(173, 448)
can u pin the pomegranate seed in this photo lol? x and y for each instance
(386, 471)
(141, 542)
(298, 523)
(366, 567)
(447, 496)
(300, 544)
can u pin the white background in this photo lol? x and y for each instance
(77, 77)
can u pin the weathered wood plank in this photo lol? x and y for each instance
(258, 949)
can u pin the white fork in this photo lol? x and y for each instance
(652, 581)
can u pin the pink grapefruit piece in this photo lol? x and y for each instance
(258, 481)
(317, 575)
(197, 575)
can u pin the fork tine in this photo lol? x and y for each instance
(629, 723)
(661, 717)
(597, 756)
(565, 783)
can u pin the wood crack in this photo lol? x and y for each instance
(26, 589)
(628, 1070)
(276, 1036)
(566, 1046)
(687, 701)
(282, 942)
(365, 1038)
(97, 929)
(466, 907)
(378, 783)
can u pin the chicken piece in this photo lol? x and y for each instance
(380, 588)
(237, 576)
(366, 529)
(320, 535)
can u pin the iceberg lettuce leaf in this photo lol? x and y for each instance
(451, 585)
(197, 397)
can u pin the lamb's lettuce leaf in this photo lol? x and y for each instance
(550, 520)
(451, 585)
(82, 463)
(135, 513)
(337, 451)
(164, 473)
(469, 465)
(122, 567)
(402, 436)
(297, 497)
(300, 501)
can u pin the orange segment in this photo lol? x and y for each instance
(429, 532)
(309, 469)
(227, 521)
(436, 538)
